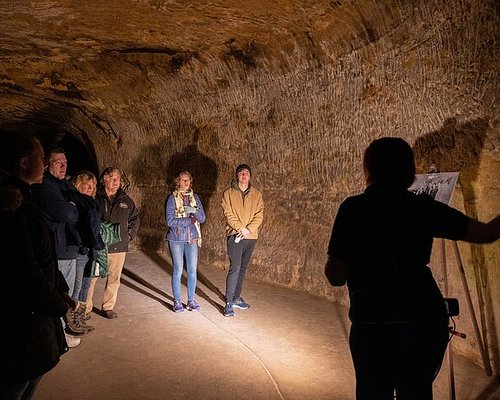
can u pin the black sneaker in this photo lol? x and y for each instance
(228, 310)
(240, 303)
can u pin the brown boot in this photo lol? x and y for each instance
(73, 326)
(81, 311)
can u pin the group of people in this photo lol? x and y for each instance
(244, 211)
(92, 227)
(59, 236)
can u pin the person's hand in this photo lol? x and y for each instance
(246, 232)
(190, 210)
(83, 250)
(69, 301)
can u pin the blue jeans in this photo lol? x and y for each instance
(68, 270)
(239, 258)
(87, 280)
(19, 391)
(81, 261)
(179, 250)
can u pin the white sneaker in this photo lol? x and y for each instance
(72, 341)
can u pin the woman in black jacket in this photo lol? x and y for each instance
(380, 247)
(35, 297)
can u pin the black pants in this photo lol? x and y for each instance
(239, 258)
(21, 391)
(397, 357)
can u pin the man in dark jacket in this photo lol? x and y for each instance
(60, 214)
(117, 207)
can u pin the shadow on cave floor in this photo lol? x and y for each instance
(457, 147)
(167, 267)
(288, 345)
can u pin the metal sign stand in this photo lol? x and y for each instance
(470, 306)
(440, 186)
(449, 350)
(477, 333)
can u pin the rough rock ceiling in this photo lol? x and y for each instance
(44, 44)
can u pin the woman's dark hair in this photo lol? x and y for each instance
(13, 147)
(389, 161)
(108, 171)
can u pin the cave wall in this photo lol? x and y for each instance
(295, 89)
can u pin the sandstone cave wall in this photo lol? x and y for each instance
(299, 103)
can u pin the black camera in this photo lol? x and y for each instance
(452, 307)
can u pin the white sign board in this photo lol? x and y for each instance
(439, 186)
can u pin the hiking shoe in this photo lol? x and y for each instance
(228, 310)
(178, 307)
(73, 326)
(89, 328)
(72, 341)
(109, 314)
(73, 331)
(192, 305)
(86, 315)
(79, 319)
(240, 303)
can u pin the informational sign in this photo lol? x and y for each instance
(439, 186)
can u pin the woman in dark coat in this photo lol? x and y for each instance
(380, 247)
(35, 295)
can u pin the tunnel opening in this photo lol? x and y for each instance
(80, 155)
(59, 127)
(79, 151)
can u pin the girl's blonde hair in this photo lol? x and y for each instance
(83, 177)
